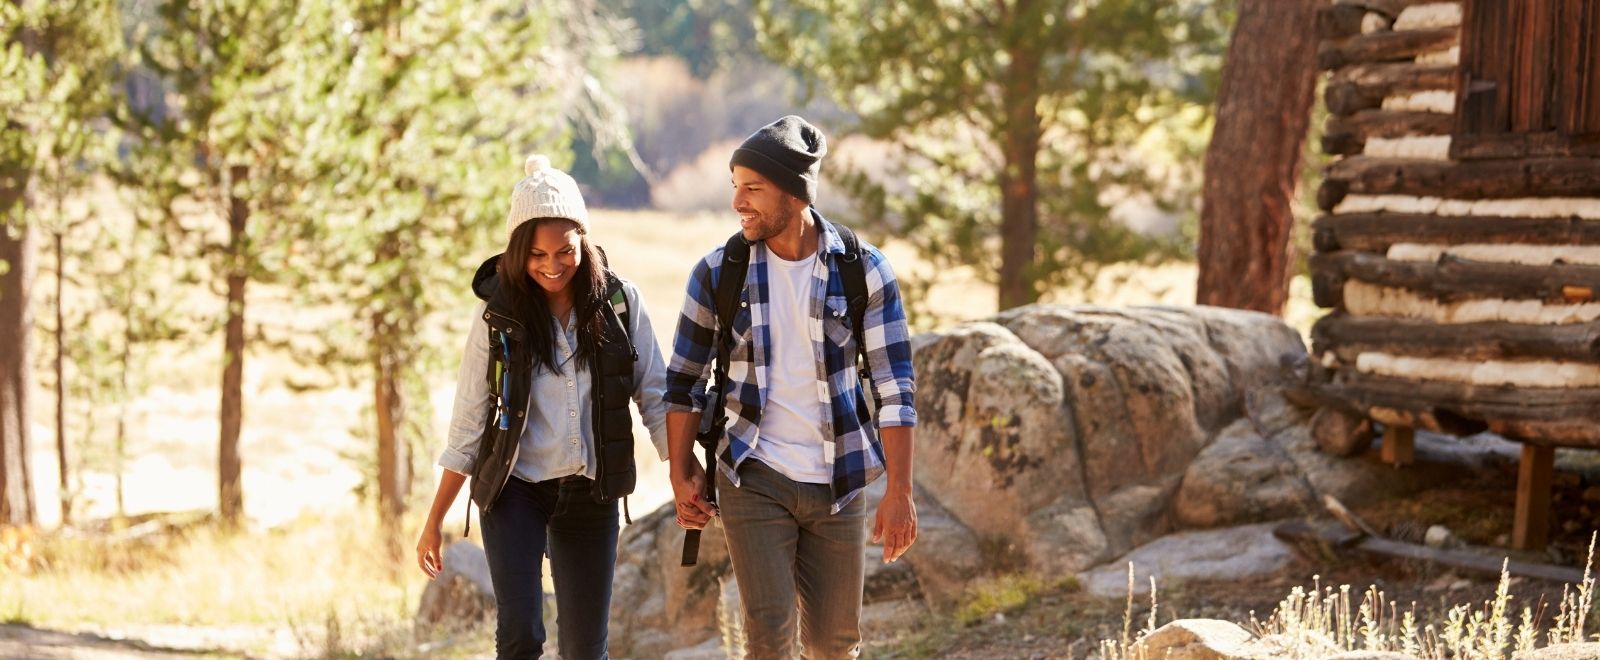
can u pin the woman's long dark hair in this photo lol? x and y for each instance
(527, 298)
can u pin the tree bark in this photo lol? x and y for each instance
(230, 493)
(64, 461)
(16, 284)
(1019, 188)
(16, 482)
(1253, 163)
(393, 473)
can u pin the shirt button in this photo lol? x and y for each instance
(572, 414)
(569, 384)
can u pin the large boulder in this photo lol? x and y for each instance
(1241, 477)
(1064, 433)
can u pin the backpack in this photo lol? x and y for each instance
(730, 282)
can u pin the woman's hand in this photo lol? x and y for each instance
(428, 556)
(688, 486)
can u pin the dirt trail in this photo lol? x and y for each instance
(23, 641)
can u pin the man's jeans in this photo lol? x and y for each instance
(784, 543)
(582, 536)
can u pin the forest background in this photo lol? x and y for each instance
(239, 233)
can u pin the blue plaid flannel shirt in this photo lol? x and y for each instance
(855, 451)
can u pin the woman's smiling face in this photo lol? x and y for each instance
(556, 253)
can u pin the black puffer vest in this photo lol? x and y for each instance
(510, 377)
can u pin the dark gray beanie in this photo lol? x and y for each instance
(788, 152)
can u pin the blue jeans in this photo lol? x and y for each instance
(582, 543)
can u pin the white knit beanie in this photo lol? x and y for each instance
(546, 192)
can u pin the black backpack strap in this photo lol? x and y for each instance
(617, 299)
(853, 268)
(730, 283)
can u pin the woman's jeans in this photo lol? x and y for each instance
(582, 541)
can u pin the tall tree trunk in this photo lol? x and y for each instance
(1253, 163)
(230, 492)
(393, 473)
(16, 283)
(16, 481)
(1019, 187)
(64, 461)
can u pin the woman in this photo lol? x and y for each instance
(541, 422)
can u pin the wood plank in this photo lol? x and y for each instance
(1340, 21)
(1349, 336)
(1389, 46)
(1472, 402)
(1549, 144)
(1532, 76)
(1530, 528)
(1451, 279)
(1399, 445)
(1577, 84)
(1389, 8)
(1484, 88)
(1335, 536)
(1375, 232)
(1348, 134)
(1364, 86)
(1479, 179)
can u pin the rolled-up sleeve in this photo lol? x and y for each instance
(888, 342)
(473, 399)
(649, 371)
(692, 344)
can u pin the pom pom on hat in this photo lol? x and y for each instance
(545, 192)
(535, 163)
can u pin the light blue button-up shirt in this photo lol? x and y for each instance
(560, 418)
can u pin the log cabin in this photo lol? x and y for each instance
(1458, 247)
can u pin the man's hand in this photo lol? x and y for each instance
(896, 524)
(688, 488)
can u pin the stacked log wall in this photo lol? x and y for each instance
(1464, 284)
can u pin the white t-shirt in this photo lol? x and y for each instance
(790, 438)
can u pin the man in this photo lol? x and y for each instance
(796, 452)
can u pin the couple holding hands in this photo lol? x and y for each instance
(542, 430)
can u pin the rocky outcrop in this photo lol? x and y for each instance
(1055, 439)
(1066, 432)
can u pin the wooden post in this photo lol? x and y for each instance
(1531, 529)
(1399, 445)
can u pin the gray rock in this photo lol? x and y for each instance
(946, 555)
(711, 649)
(1194, 639)
(657, 605)
(1439, 536)
(996, 441)
(1578, 651)
(462, 595)
(1241, 478)
(1233, 553)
